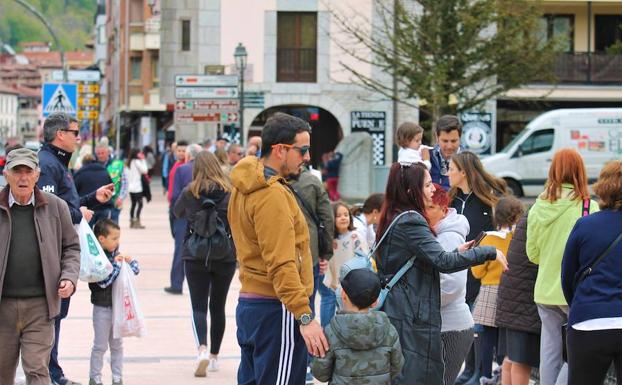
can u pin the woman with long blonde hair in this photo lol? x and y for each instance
(565, 199)
(209, 276)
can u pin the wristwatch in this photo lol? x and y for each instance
(305, 319)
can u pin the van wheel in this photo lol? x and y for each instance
(514, 187)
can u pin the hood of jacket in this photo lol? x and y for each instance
(548, 212)
(360, 331)
(248, 176)
(453, 222)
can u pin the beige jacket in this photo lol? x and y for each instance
(58, 243)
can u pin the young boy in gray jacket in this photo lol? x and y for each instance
(364, 346)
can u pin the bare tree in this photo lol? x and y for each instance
(438, 50)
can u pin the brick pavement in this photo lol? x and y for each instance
(166, 354)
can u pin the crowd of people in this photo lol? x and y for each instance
(443, 279)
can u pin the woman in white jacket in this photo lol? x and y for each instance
(457, 323)
(138, 167)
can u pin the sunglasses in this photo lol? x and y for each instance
(302, 150)
(74, 132)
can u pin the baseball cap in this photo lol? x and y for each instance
(22, 157)
(362, 287)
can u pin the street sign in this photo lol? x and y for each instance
(254, 99)
(206, 80)
(91, 115)
(206, 92)
(59, 97)
(83, 101)
(77, 75)
(88, 88)
(213, 104)
(202, 116)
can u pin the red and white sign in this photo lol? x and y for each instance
(202, 116)
(206, 92)
(206, 80)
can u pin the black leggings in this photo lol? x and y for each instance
(591, 353)
(137, 204)
(209, 287)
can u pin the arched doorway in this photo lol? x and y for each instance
(326, 130)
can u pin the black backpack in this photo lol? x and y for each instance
(210, 239)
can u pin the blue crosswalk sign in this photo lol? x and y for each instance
(59, 97)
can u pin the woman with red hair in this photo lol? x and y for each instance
(413, 305)
(565, 199)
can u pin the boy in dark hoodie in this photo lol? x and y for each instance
(108, 234)
(364, 346)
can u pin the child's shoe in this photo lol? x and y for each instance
(487, 381)
(213, 364)
(96, 381)
(117, 382)
(201, 365)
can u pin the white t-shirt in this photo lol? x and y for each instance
(410, 155)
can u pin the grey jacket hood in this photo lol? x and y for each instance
(453, 223)
(360, 331)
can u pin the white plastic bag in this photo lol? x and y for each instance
(94, 265)
(128, 320)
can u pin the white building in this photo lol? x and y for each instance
(8, 112)
(297, 67)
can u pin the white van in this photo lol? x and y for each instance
(524, 163)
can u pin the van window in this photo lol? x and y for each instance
(539, 141)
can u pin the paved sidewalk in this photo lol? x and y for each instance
(166, 355)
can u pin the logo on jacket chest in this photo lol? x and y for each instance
(48, 189)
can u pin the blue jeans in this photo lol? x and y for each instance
(114, 214)
(328, 303)
(56, 372)
(177, 267)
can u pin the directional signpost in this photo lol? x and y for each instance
(206, 98)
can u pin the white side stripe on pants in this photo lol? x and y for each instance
(287, 347)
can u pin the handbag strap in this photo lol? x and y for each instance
(590, 268)
(377, 244)
(585, 211)
(306, 206)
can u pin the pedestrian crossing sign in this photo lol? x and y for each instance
(59, 97)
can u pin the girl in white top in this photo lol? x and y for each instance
(457, 323)
(346, 244)
(138, 167)
(409, 137)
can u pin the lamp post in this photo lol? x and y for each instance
(47, 25)
(240, 56)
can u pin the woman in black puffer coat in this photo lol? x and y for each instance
(517, 315)
(208, 278)
(413, 306)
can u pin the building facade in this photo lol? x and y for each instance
(133, 112)
(8, 112)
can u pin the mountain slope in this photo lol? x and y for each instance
(72, 20)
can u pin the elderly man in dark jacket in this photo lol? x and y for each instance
(39, 265)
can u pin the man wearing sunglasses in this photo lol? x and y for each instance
(61, 136)
(274, 317)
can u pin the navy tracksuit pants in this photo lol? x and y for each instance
(273, 350)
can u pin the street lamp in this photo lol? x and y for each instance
(240, 56)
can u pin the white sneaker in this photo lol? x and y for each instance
(201, 365)
(213, 364)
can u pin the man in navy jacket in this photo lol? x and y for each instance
(448, 134)
(60, 133)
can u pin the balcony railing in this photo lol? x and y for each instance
(296, 65)
(582, 67)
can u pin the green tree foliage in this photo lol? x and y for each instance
(72, 21)
(471, 50)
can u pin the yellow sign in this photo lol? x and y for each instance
(91, 115)
(88, 88)
(88, 102)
